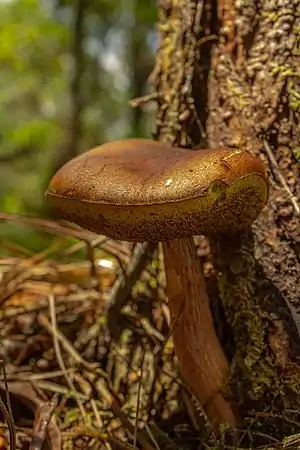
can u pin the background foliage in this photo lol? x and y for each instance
(68, 71)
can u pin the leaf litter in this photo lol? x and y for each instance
(86, 349)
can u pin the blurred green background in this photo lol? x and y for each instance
(67, 72)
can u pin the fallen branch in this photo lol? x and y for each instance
(122, 288)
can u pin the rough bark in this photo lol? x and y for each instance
(252, 102)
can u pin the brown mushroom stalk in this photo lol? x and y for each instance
(141, 190)
(202, 362)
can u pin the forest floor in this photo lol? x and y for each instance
(79, 378)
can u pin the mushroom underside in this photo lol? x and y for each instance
(221, 210)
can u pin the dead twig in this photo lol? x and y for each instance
(49, 226)
(145, 99)
(43, 320)
(7, 409)
(60, 358)
(138, 401)
(42, 419)
(114, 405)
(277, 173)
(122, 288)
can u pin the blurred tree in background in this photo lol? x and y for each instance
(68, 71)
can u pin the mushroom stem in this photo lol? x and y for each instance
(202, 362)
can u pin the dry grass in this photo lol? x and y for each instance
(78, 379)
(55, 339)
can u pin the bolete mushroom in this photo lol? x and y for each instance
(142, 190)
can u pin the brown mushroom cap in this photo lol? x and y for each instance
(142, 190)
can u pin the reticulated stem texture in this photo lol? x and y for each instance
(201, 359)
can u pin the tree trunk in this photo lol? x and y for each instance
(71, 146)
(251, 100)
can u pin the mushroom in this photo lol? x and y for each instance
(142, 190)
